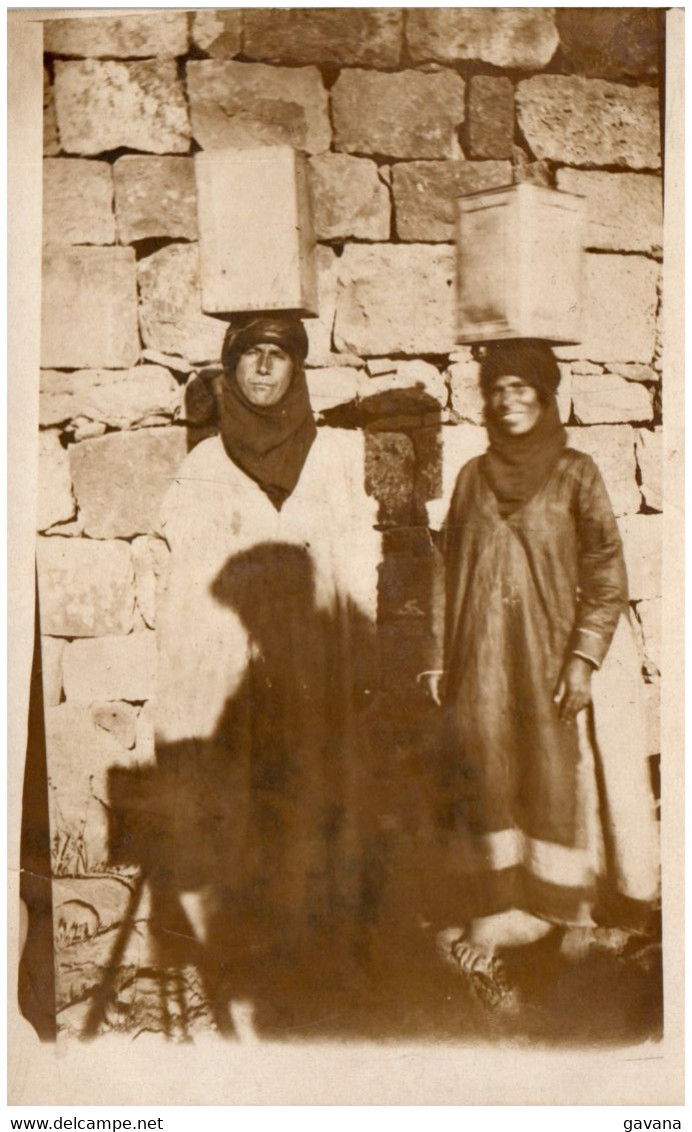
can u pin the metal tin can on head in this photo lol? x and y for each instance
(256, 239)
(520, 264)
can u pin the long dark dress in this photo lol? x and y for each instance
(518, 803)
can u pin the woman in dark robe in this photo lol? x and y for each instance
(546, 804)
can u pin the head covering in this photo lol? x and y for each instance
(248, 330)
(531, 360)
(269, 442)
(516, 467)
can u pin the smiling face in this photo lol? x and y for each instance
(264, 373)
(515, 405)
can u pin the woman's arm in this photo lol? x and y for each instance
(602, 591)
(602, 572)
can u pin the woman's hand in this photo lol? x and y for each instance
(431, 682)
(573, 693)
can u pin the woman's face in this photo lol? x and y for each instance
(515, 405)
(264, 373)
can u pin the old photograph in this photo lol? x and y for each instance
(344, 716)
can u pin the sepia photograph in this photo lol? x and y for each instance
(351, 540)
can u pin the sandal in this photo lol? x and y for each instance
(486, 976)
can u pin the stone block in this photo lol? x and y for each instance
(389, 474)
(330, 387)
(407, 114)
(590, 122)
(149, 558)
(89, 308)
(620, 308)
(77, 202)
(108, 105)
(117, 398)
(608, 399)
(79, 757)
(521, 38)
(467, 400)
(405, 587)
(55, 503)
(120, 479)
(624, 210)
(236, 105)
(320, 329)
(635, 372)
(170, 312)
(416, 316)
(51, 670)
(490, 117)
(649, 449)
(118, 719)
(346, 37)
(218, 31)
(110, 668)
(86, 588)
(612, 448)
(610, 43)
(417, 384)
(641, 538)
(459, 443)
(425, 194)
(349, 199)
(155, 197)
(51, 138)
(649, 614)
(526, 171)
(124, 37)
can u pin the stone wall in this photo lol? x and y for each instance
(399, 111)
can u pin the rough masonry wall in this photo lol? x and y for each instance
(399, 112)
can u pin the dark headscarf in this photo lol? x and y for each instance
(516, 467)
(269, 442)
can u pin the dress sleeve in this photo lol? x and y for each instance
(602, 573)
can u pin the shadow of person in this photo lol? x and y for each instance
(263, 871)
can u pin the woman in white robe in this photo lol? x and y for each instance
(265, 637)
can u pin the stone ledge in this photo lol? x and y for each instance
(609, 399)
(117, 399)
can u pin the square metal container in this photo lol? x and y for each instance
(256, 237)
(520, 264)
